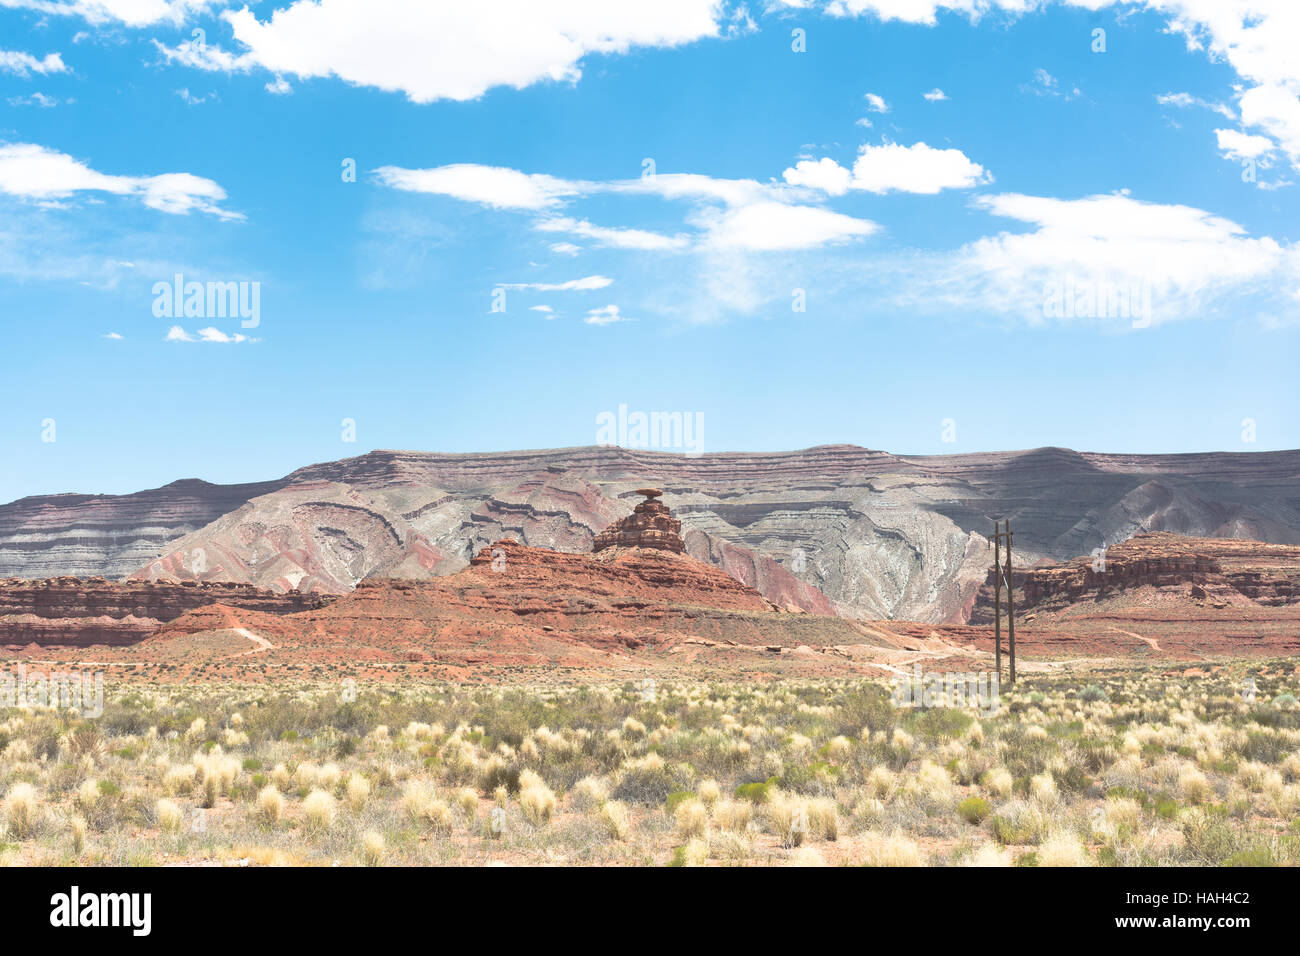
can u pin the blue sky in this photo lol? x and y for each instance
(500, 152)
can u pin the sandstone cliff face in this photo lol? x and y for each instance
(85, 611)
(879, 535)
(516, 605)
(1219, 572)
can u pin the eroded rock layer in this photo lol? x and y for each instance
(873, 534)
(86, 611)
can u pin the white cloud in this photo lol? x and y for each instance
(209, 334)
(24, 64)
(915, 169)
(1276, 110)
(618, 238)
(605, 315)
(752, 216)
(494, 186)
(36, 99)
(131, 13)
(279, 86)
(824, 174)
(112, 335)
(456, 51)
(1184, 256)
(875, 103)
(772, 226)
(935, 95)
(1256, 37)
(565, 248)
(34, 172)
(585, 284)
(546, 310)
(1186, 100)
(1234, 144)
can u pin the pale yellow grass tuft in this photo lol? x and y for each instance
(877, 849)
(695, 853)
(467, 800)
(988, 854)
(358, 790)
(999, 781)
(788, 816)
(319, 808)
(692, 819)
(270, 804)
(1043, 788)
(614, 816)
(77, 827)
(1062, 848)
(732, 815)
(372, 848)
(170, 815)
(536, 799)
(588, 793)
(20, 809)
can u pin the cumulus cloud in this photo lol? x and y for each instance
(876, 103)
(935, 95)
(449, 51)
(892, 168)
(1234, 144)
(824, 174)
(45, 175)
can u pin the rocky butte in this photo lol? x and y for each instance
(650, 525)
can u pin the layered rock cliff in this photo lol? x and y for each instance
(879, 535)
(85, 611)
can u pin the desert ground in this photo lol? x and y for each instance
(1082, 764)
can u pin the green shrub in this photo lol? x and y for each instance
(974, 809)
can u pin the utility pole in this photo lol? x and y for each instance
(997, 600)
(1011, 610)
(1002, 572)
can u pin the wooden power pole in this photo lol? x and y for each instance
(1002, 573)
(997, 600)
(1011, 611)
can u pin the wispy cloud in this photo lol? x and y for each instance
(45, 175)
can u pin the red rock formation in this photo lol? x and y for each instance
(85, 611)
(650, 525)
(516, 605)
(1219, 570)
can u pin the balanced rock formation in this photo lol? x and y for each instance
(650, 525)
